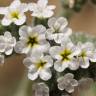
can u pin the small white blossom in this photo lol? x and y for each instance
(64, 55)
(40, 89)
(67, 82)
(38, 65)
(41, 9)
(14, 13)
(58, 29)
(87, 54)
(7, 43)
(32, 39)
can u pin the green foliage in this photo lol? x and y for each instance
(37, 21)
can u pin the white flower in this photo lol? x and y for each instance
(41, 9)
(40, 89)
(64, 56)
(58, 29)
(1, 59)
(7, 43)
(87, 54)
(38, 65)
(14, 13)
(67, 82)
(32, 39)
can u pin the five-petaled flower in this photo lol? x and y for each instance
(39, 65)
(41, 9)
(87, 54)
(58, 29)
(64, 55)
(32, 39)
(67, 82)
(14, 13)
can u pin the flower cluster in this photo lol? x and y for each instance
(49, 49)
(15, 12)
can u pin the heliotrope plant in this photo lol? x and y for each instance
(52, 56)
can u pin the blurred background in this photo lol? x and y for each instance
(12, 74)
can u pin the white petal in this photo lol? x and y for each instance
(3, 10)
(45, 74)
(7, 35)
(42, 3)
(51, 21)
(9, 50)
(21, 47)
(54, 52)
(69, 89)
(70, 45)
(32, 6)
(67, 42)
(43, 47)
(84, 63)
(69, 76)
(59, 66)
(21, 20)
(35, 55)
(6, 21)
(49, 61)
(39, 29)
(86, 46)
(59, 37)
(42, 39)
(67, 31)
(38, 15)
(74, 82)
(23, 31)
(61, 86)
(47, 13)
(12, 41)
(15, 4)
(62, 21)
(27, 62)
(56, 38)
(23, 7)
(75, 51)
(49, 34)
(74, 65)
(33, 74)
(93, 57)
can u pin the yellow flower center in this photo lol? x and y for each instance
(41, 64)
(56, 30)
(83, 54)
(15, 15)
(32, 41)
(65, 55)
